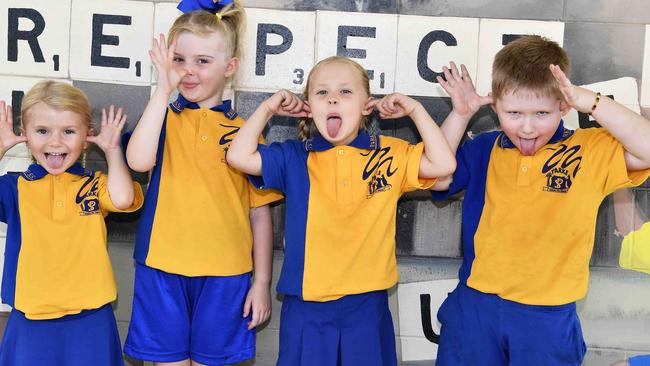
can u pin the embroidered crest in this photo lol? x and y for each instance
(378, 183)
(561, 168)
(558, 180)
(87, 197)
(378, 179)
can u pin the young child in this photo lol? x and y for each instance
(57, 274)
(193, 301)
(341, 188)
(532, 192)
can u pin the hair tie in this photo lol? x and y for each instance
(213, 6)
(218, 15)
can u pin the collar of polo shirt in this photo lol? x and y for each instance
(35, 171)
(181, 103)
(362, 141)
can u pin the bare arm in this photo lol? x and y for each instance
(143, 146)
(258, 299)
(628, 127)
(242, 153)
(119, 182)
(466, 102)
(437, 160)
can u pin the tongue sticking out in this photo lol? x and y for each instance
(527, 146)
(333, 126)
(55, 161)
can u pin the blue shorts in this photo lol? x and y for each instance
(643, 360)
(484, 329)
(87, 338)
(175, 317)
(353, 330)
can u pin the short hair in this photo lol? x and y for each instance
(305, 128)
(230, 21)
(524, 64)
(57, 95)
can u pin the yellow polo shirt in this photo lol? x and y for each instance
(56, 259)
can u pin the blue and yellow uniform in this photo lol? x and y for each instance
(57, 272)
(194, 242)
(341, 206)
(528, 233)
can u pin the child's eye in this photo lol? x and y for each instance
(513, 113)
(203, 61)
(178, 59)
(346, 91)
(542, 113)
(321, 92)
(69, 131)
(41, 131)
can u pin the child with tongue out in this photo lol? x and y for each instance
(532, 192)
(57, 274)
(341, 186)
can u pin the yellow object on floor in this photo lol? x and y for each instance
(635, 250)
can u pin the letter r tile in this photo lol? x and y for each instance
(37, 38)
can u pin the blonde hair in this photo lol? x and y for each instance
(57, 95)
(306, 125)
(524, 64)
(229, 21)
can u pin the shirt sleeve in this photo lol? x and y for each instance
(7, 195)
(105, 202)
(605, 159)
(460, 178)
(273, 167)
(260, 197)
(412, 181)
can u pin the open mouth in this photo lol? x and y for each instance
(334, 123)
(55, 160)
(189, 85)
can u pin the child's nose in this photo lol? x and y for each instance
(55, 139)
(528, 127)
(332, 100)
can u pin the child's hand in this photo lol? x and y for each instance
(111, 130)
(258, 301)
(7, 136)
(579, 98)
(285, 103)
(394, 105)
(163, 58)
(466, 102)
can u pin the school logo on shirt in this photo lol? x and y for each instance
(378, 177)
(227, 137)
(561, 168)
(87, 197)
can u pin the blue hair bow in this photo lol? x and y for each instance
(212, 6)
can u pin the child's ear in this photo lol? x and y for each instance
(22, 131)
(564, 107)
(493, 105)
(232, 66)
(91, 132)
(369, 107)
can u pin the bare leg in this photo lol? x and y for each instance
(179, 363)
